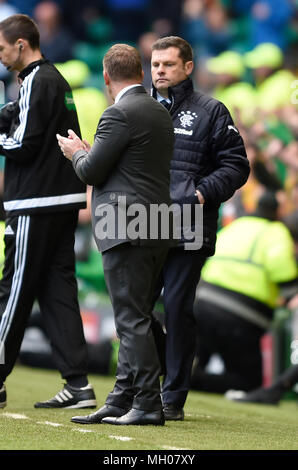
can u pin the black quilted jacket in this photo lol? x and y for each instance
(209, 154)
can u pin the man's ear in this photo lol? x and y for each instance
(22, 43)
(106, 77)
(188, 66)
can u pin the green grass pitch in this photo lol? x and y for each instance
(211, 422)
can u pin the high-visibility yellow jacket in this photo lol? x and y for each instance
(253, 256)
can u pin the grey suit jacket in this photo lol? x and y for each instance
(128, 164)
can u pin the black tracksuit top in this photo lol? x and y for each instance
(38, 178)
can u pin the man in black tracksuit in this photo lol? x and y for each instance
(208, 165)
(42, 197)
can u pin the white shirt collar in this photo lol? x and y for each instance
(124, 90)
(161, 98)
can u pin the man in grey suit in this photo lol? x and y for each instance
(128, 166)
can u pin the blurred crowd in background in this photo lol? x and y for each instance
(246, 55)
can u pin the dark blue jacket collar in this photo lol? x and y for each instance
(177, 93)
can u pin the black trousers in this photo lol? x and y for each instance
(235, 340)
(131, 273)
(179, 278)
(40, 264)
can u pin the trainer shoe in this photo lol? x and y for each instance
(234, 395)
(3, 397)
(266, 396)
(71, 397)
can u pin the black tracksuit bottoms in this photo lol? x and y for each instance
(40, 265)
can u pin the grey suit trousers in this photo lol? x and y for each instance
(131, 273)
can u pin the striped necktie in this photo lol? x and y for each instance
(166, 104)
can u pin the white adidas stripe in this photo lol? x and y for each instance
(63, 396)
(7, 311)
(44, 201)
(11, 143)
(19, 133)
(58, 398)
(24, 105)
(20, 259)
(19, 266)
(67, 393)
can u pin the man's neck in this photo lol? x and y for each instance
(118, 87)
(164, 92)
(31, 56)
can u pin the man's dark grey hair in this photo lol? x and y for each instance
(185, 50)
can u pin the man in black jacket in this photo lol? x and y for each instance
(209, 163)
(129, 161)
(42, 197)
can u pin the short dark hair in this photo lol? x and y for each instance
(267, 206)
(20, 26)
(291, 222)
(185, 50)
(123, 62)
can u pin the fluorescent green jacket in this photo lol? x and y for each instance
(276, 91)
(253, 255)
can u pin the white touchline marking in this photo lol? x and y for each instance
(14, 415)
(197, 415)
(49, 423)
(56, 425)
(82, 430)
(121, 438)
(174, 448)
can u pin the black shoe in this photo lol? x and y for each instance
(97, 416)
(138, 417)
(71, 397)
(172, 413)
(2, 396)
(267, 396)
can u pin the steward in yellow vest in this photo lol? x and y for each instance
(254, 259)
(254, 263)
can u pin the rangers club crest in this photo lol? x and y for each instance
(187, 118)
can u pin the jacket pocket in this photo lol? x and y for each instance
(183, 188)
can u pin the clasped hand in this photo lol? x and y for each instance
(71, 144)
